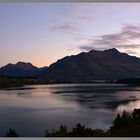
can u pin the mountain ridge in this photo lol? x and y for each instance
(108, 64)
(94, 65)
(21, 69)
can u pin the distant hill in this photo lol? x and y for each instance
(21, 69)
(94, 65)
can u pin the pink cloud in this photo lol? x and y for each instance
(122, 40)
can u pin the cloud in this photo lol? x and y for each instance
(89, 48)
(131, 52)
(66, 27)
(70, 16)
(127, 38)
(88, 17)
(78, 11)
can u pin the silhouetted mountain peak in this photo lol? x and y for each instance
(8, 65)
(112, 50)
(21, 69)
(24, 63)
(93, 51)
(95, 65)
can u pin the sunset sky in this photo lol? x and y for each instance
(42, 33)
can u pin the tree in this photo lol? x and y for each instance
(81, 131)
(62, 132)
(11, 133)
(136, 114)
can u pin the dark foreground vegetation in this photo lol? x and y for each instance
(7, 81)
(12, 81)
(133, 81)
(124, 125)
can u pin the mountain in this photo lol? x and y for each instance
(94, 65)
(43, 69)
(21, 69)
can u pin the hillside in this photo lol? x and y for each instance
(94, 65)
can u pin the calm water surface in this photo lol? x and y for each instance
(33, 109)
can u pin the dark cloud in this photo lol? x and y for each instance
(86, 48)
(131, 28)
(89, 48)
(126, 39)
(130, 46)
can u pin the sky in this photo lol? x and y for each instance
(42, 33)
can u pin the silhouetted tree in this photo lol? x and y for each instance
(124, 125)
(117, 121)
(81, 131)
(11, 133)
(136, 115)
(98, 133)
(62, 132)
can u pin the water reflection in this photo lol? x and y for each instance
(33, 109)
(129, 106)
(22, 93)
(107, 96)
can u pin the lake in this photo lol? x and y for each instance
(32, 109)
